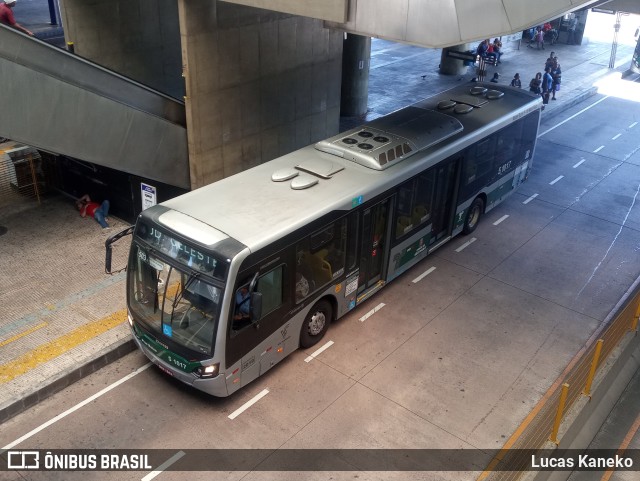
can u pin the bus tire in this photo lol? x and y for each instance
(473, 216)
(316, 324)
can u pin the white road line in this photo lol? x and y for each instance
(598, 149)
(530, 198)
(75, 408)
(632, 125)
(319, 351)
(615, 136)
(579, 163)
(556, 180)
(164, 466)
(423, 275)
(248, 404)
(504, 217)
(466, 244)
(372, 312)
(573, 116)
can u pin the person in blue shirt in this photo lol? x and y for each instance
(242, 304)
(547, 83)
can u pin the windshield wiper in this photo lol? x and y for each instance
(180, 294)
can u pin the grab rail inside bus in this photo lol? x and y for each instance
(108, 251)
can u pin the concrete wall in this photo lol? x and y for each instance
(259, 84)
(137, 38)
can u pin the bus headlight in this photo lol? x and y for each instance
(209, 371)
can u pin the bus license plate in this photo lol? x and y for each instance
(165, 370)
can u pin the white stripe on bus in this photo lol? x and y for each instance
(423, 275)
(163, 466)
(556, 180)
(466, 244)
(372, 312)
(319, 351)
(503, 218)
(530, 198)
(248, 404)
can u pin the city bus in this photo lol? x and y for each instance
(225, 281)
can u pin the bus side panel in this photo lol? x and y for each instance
(409, 252)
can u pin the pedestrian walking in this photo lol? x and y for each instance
(556, 74)
(547, 85)
(573, 24)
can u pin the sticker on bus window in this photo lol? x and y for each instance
(166, 330)
(352, 286)
(156, 264)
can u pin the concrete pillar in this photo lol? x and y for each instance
(454, 66)
(356, 55)
(259, 84)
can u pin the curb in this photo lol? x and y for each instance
(106, 356)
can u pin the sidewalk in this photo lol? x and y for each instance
(63, 318)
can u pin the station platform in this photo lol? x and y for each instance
(63, 318)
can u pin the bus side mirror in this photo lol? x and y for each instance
(108, 248)
(107, 258)
(256, 306)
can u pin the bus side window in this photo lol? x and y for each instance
(241, 313)
(271, 287)
(320, 258)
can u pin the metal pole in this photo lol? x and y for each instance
(556, 424)
(33, 177)
(594, 366)
(614, 44)
(52, 12)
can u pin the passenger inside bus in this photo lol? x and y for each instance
(242, 318)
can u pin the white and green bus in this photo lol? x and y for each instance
(227, 280)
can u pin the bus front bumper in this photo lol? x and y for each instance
(216, 386)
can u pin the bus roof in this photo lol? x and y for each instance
(335, 174)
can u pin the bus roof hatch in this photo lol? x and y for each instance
(395, 137)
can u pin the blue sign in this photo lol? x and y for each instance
(166, 330)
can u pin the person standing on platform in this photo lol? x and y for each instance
(6, 16)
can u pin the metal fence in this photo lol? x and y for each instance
(542, 424)
(22, 178)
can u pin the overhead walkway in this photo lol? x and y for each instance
(58, 102)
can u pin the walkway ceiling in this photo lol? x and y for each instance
(428, 23)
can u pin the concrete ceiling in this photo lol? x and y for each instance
(444, 23)
(428, 23)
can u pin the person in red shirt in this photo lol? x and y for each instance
(88, 208)
(6, 16)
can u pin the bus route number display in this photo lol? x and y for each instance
(183, 253)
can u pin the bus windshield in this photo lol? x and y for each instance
(173, 301)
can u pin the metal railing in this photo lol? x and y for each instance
(543, 423)
(21, 175)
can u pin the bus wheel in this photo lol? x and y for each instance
(316, 324)
(473, 216)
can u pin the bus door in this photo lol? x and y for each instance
(374, 244)
(443, 200)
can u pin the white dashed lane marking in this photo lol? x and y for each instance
(372, 312)
(501, 219)
(318, 351)
(424, 274)
(579, 163)
(248, 404)
(530, 199)
(466, 244)
(556, 180)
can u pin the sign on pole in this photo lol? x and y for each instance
(148, 195)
